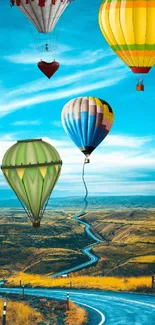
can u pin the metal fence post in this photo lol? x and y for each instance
(4, 313)
(67, 301)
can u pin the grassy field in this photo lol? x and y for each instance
(52, 247)
(87, 282)
(41, 311)
(19, 313)
(76, 315)
(128, 247)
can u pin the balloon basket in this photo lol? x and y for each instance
(87, 161)
(36, 224)
(140, 87)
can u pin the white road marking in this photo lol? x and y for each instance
(97, 310)
(117, 298)
(81, 303)
(100, 297)
(134, 301)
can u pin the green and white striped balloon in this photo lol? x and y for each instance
(31, 168)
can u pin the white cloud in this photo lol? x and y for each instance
(4, 146)
(106, 162)
(109, 161)
(59, 94)
(77, 84)
(114, 172)
(125, 141)
(119, 188)
(123, 160)
(101, 72)
(7, 137)
(75, 57)
(31, 57)
(56, 123)
(85, 58)
(26, 122)
(62, 143)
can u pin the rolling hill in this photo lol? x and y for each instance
(128, 246)
(45, 250)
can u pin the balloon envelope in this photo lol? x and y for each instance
(87, 120)
(129, 28)
(32, 168)
(43, 14)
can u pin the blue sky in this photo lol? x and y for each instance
(31, 105)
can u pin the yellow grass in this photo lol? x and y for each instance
(87, 282)
(143, 259)
(130, 222)
(20, 314)
(75, 315)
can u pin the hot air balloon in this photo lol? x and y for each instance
(87, 120)
(129, 28)
(44, 15)
(31, 168)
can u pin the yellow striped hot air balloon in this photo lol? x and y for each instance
(129, 28)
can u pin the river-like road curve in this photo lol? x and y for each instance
(86, 251)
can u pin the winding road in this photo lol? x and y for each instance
(111, 308)
(86, 251)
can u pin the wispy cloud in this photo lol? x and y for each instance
(6, 108)
(75, 57)
(85, 58)
(38, 99)
(104, 78)
(26, 122)
(126, 141)
(101, 72)
(56, 123)
(31, 57)
(8, 137)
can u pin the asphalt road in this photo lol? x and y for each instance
(105, 307)
(86, 251)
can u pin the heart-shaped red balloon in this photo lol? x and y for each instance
(48, 68)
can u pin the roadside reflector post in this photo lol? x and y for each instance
(23, 290)
(67, 301)
(4, 313)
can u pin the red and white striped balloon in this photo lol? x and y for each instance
(43, 14)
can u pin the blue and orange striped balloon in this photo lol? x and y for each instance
(87, 120)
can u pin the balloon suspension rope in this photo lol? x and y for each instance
(86, 189)
(83, 211)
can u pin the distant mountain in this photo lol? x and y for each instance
(104, 202)
(8, 199)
